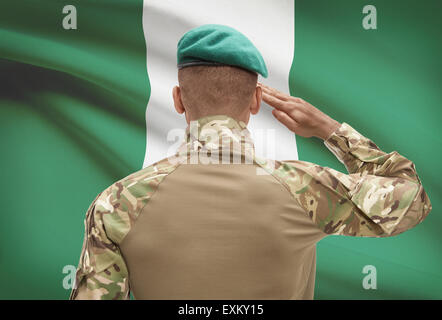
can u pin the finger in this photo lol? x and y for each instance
(285, 119)
(275, 93)
(276, 103)
(264, 86)
(272, 101)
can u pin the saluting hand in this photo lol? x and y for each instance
(298, 115)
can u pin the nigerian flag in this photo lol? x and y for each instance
(85, 99)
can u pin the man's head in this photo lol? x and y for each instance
(210, 90)
(218, 69)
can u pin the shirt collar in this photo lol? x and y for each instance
(218, 133)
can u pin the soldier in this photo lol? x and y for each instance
(207, 224)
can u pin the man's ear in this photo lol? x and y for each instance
(256, 101)
(178, 103)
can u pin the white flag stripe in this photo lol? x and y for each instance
(268, 24)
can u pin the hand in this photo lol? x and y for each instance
(298, 115)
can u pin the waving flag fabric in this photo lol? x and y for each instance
(81, 108)
(266, 22)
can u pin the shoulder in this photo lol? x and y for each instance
(303, 177)
(118, 206)
(141, 184)
(287, 171)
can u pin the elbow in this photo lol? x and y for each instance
(416, 213)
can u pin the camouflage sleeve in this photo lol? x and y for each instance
(102, 272)
(381, 196)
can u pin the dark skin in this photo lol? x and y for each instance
(296, 114)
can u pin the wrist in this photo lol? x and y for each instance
(327, 128)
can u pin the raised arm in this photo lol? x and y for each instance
(381, 196)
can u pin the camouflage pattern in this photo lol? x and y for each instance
(217, 139)
(381, 196)
(102, 272)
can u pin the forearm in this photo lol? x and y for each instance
(361, 155)
(388, 188)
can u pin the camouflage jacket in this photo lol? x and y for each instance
(380, 196)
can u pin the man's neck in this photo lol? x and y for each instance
(238, 118)
(218, 134)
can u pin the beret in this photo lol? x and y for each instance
(215, 44)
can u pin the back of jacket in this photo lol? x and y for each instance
(223, 232)
(217, 222)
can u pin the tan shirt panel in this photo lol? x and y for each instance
(236, 235)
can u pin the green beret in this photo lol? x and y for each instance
(215, 44)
